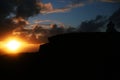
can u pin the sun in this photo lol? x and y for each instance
(13, 45)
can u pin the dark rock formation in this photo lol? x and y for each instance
(74, 55)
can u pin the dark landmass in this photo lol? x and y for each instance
(67, 56)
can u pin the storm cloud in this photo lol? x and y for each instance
(94, 25)
(116, 18)
(10, 9)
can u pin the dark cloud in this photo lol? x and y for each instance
(27, 8)
(93, 25)
(113, 1)
(18, 8)
(6, 8)
(116, 18)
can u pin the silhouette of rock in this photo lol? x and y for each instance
(73, 55)
(76, 53)
(111, 27)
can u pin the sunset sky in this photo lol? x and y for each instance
(78, 12)
(17, 13)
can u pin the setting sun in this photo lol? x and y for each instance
(13, 45)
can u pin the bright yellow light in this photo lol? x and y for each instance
(13, 45)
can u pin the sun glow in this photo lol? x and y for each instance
(13, 45)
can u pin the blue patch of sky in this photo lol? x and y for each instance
(77, 15)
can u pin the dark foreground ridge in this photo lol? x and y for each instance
(74, 55)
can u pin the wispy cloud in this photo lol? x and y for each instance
(52, 21)
(87, 1)
(76, 5)
(111, 1)
(60, 10)
(48, 8)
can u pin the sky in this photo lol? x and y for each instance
(82, 11)
(14, 15)
(67, 12)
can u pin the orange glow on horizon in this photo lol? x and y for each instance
(13, 45)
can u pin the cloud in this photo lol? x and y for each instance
(41, 21)
(20, 19)
(10, 9)
(51, 21)
(89, 1)
(61, 10)
(111, 1)
(48, 8)
(62, 1)
(76, 5)
(94, 25)
(116, 18)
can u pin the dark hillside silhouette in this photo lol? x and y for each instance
(73, 55)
